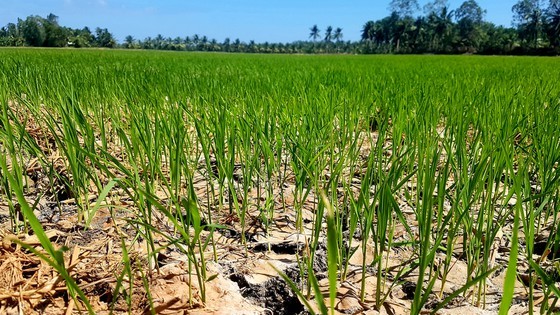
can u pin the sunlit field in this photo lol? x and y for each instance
(138, 181)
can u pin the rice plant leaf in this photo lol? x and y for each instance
(550, 283)
(101, 197)
(511, 271)
(71, 284)
(318, 293)
(212, 277)
(332, 250)
(30, 216)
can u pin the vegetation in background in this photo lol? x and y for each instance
(441, 29)
(36, 31)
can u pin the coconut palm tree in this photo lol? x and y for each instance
(368, 31)
(552, 18)
(470, 17)
(314, 32)
(337, 36)
(329, 34)
(440, 26)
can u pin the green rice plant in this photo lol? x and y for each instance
(8, 159)
(427, 246)
(333, 262)
(13, 176)
(349, 217)
(376, 208)
(549, 286)
(332, 252)
(142, 179)
(511, 272)
(342, 157)
(222, 144)
(125, 280)
(304, 299)
(259, 165)
(182, 218)
(203, 140)
(247, 135)
(387, 214)
(68, 138)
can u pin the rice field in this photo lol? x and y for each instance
(161, 182)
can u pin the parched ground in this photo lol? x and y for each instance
(245, 281)
(241, 277)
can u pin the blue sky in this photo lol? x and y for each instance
(259, 20)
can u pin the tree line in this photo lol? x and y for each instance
(535, 30)
(36, 31)
(440, 29)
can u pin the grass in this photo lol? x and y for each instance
(454, 151)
